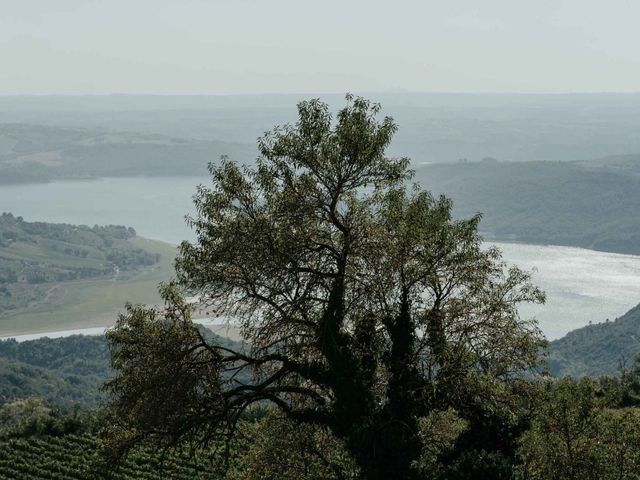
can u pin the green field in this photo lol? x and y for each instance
(94, 302)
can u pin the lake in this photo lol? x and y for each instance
(582, 285)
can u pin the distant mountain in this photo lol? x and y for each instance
(433, 127)
(599, 349)
(622, 164)
(37, 153)
(584, 204)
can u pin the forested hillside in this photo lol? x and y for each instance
(64, 372)
(584, 204)
(599, 349)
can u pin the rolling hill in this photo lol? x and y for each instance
(64, 372)
(599, 349)
(57, 276)
(583, 204)
(39, 153)
(434, 127)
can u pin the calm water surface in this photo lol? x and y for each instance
(582, 285)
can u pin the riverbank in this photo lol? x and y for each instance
(222, 328)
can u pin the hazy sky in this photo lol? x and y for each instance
(300, 46)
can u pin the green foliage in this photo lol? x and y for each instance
(145, 343)
(623, 390)
(65, 372)
(576, 435)
(21, 416)
(73, 355)
(36, 440)
(486, 448)
(280, 448)
(67, 245)
(365, 306)
(630, 384)
(439, 431)
(30, 416)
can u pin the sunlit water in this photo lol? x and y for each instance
(582, 286)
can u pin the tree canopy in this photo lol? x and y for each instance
(364, 307)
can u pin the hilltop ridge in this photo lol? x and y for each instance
(41, 153)
(598, 349)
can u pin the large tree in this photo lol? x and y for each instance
(363, 305)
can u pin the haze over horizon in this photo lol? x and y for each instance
(286, 46)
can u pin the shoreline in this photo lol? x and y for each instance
(217, 326)
(487, 236)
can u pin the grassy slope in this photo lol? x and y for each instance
(87, 303)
